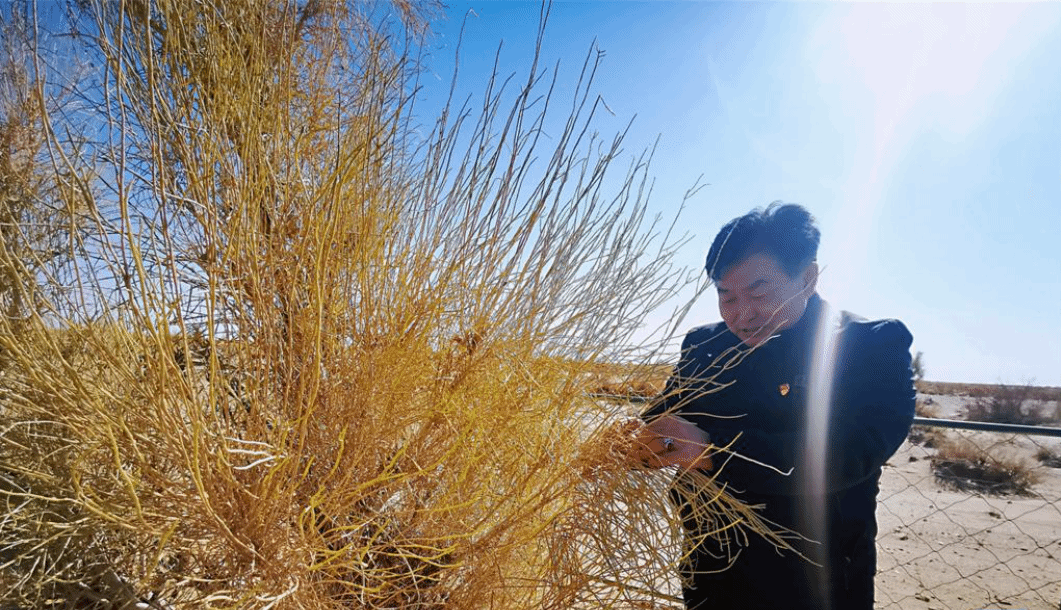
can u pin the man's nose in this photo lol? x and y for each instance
(748, 313)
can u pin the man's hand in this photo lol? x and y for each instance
(672, 441)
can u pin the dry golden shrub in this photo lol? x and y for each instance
(37, 220)
(305, 358)
(627, 381)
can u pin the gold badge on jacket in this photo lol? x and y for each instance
(783, 389)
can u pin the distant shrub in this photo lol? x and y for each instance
(1048, 457)
(974, 390)
(626, 381)
(1011, 404)
(926, 407)
(925, 435)
(963, 465)
(627, 388)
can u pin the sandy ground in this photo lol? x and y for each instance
(942, 549)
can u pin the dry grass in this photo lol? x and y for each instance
(926, 407)
(302, 357)
(976, 390)
(1048, 457)
(964, 465)
(926, 435)
(1013, 405)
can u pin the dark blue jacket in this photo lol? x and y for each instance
(825, 460)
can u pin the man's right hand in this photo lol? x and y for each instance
(670, 440)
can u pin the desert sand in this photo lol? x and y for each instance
(940, 548)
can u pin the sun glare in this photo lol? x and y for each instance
(897, 71)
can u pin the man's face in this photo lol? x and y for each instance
(757, 298)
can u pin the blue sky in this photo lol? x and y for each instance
(926, 139)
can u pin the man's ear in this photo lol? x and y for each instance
(810, 278)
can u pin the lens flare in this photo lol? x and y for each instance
(819, 392)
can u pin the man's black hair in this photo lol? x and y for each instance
(786, 231)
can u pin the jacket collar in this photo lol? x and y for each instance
(807, 325)
(800, 336)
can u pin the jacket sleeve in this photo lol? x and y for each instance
(869, 416)
(873, 403)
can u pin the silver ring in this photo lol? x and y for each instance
(668, 444)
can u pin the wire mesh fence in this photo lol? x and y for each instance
(970, 518)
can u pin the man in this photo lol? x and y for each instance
(810, 405)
